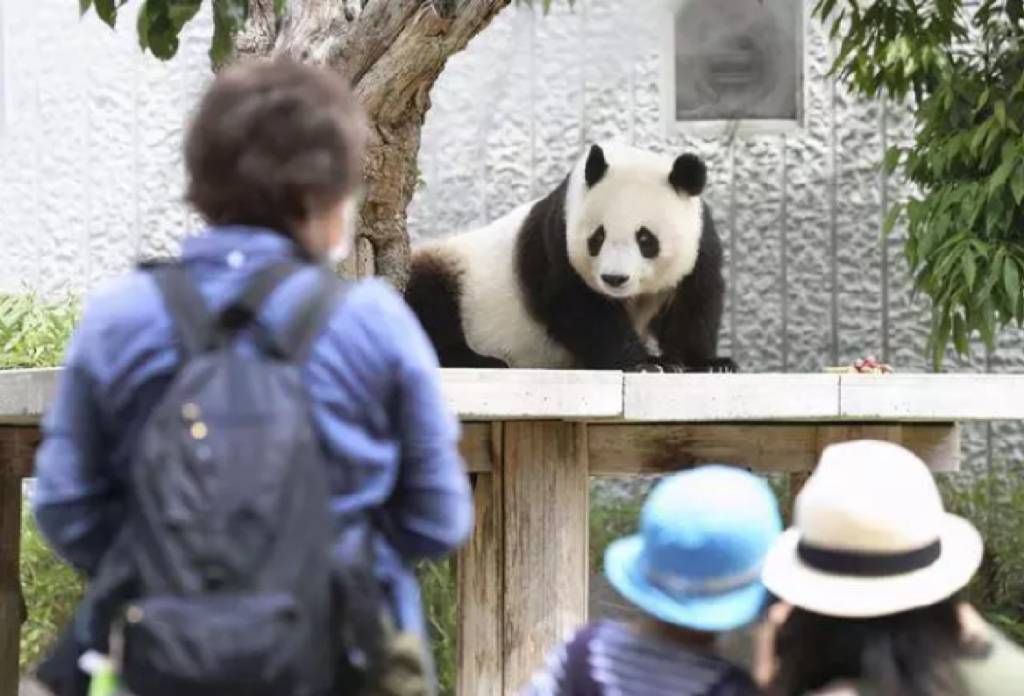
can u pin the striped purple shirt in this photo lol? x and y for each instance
(610, 658)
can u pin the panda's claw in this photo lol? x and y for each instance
(646, 367)
(715, 366)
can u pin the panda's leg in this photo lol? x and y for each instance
(433, 293)
(598, 332)
(688, 329)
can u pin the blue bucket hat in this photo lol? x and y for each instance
(696, 562)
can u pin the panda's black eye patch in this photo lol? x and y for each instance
(648, 243)
(595, 241)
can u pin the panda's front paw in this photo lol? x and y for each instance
(646, 367)
(714, 365)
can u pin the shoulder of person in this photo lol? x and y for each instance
(376, 301)
(993, 659)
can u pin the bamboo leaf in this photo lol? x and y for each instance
(1017, 184)
(960, 341)
(968, 267)
(890, 219)
(1011, 282)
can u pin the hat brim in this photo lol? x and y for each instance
(788, 578)
(712, 613)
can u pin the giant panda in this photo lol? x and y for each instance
(618, 268)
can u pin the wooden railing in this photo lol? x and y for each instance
(532, 438)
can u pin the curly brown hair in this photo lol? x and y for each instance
(273, 143)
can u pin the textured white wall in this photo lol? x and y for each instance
(90, 172)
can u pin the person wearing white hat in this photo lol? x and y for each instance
(869, 577)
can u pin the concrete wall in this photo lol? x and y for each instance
(90, 172)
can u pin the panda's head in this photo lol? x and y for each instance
(633, 219)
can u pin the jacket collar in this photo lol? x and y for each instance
(236, 244)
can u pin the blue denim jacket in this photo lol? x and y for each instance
(372, 377)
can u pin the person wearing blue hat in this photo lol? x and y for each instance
(694, 571)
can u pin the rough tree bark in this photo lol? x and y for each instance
(392, 51)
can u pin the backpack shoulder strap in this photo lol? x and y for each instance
(244, 310)
(311, 316)
(191, 317)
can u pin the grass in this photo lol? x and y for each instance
(33, 334)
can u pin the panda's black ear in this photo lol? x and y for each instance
(689, 174)
(597, 165)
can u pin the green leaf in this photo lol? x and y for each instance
(940, 339)
(83, 7)
(280, 6)
(1017, 185)
(890, 219)
(157, 31)
(892, 159)
(968, 268)
(960, 341)
(107, 11)
(228, 19)
(1001, 113)
(181, 12)
(983, 100)
(1002, 174)
(1011, 282)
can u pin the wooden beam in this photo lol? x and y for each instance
(17, 450)
(621, 449)
(480, 590)
(477, 446)
(546, 553)
(10, 581)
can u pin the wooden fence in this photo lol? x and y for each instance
(532, 438)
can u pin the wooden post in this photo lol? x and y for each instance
(10, 588)
(478, 569)
(545, 558)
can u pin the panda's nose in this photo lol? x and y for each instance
(615, 281)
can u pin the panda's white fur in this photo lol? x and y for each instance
(495, 321)
(525, 290)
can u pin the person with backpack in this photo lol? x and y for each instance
(693, 570)
(245, 455)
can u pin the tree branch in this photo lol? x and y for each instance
(392, 52)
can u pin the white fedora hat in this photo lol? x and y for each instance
(871, 537)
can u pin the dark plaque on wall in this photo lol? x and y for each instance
(736, 60)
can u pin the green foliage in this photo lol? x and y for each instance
(965, 74)
(996, 505)
(51, 591)
(33, 333)
(437, 583)
(160, 22)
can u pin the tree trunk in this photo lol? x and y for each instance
(392, 51)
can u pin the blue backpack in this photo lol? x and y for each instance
(223, 582)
